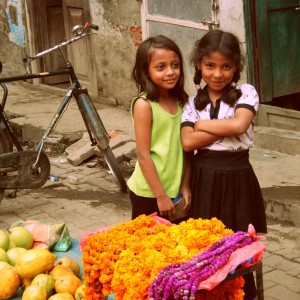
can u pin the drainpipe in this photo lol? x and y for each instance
(214, 21)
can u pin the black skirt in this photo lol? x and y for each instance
(225, 186)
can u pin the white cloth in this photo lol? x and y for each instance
(249, 99)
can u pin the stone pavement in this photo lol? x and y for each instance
(86, 197)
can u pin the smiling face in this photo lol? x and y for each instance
(217, 71)
(164, 68)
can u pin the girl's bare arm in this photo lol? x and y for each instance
(192, 140)
(226, 127)
(185, 184)
(142, 122)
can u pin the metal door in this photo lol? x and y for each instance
(181, 23)
(278, 52)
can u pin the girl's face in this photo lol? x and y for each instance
(164, 68)
(217, 72)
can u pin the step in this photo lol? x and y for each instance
(277, 129)
(281, 140)
(283, 204)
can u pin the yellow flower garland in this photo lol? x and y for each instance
(125, 259)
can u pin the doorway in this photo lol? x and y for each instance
(273, 30)
(51, 22)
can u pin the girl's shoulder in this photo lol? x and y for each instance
(249, 95)
(141, 97)
(247, 88)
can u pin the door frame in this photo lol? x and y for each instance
(259, 65)
(35, 36)
(251, 37)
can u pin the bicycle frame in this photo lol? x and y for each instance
(93, 123)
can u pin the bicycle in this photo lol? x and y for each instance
(30, 169)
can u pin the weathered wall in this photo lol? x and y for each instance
(119, 22)
(231, 17)
(12, 36)
(120, 26)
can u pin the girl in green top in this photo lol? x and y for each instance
(161, 171)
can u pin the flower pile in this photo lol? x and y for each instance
(181, 280)
(128, 258)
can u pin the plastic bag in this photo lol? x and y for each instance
(51, 236)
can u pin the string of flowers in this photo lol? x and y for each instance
(127, 258)
(180, 280)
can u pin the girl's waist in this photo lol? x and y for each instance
(223, 160)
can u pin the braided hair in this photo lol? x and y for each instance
(226, 44)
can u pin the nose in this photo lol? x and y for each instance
(170, 70)
(218, 72)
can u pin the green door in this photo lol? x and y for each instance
(278, 47)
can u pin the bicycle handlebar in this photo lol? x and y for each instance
(79, 32)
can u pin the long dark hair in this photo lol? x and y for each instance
(226, 44)
(140, 68)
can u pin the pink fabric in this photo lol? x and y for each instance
(237, 258)
(240, 256)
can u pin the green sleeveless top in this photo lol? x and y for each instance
(165, 150)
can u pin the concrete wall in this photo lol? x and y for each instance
(119, 22)
(12, 36)
(120, 26)
(231, 17)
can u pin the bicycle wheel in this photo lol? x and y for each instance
(98, 130)
(6, 144)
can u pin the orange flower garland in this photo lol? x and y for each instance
(126, 259)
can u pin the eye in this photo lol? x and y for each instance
(209, 65)
(176, 65)
(159, 67)
(227, 67)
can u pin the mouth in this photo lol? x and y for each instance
(170, 80)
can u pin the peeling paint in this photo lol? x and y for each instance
(14, 15)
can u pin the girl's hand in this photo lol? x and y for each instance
(187, 198)
(165, 206)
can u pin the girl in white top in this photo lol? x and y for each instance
(217, 124)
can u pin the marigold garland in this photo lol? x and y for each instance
(126, 259)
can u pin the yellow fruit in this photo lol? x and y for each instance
(9, 282)
(26, 282)
(21, 237)
(46, 281)
(58, 271)
(3, 255)
(13, 254)
(4, 264)
(4, 240)
(67, 283)
(61, 296)
(34, 262)
(34, 292)
(79, 293)
(69, 264)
